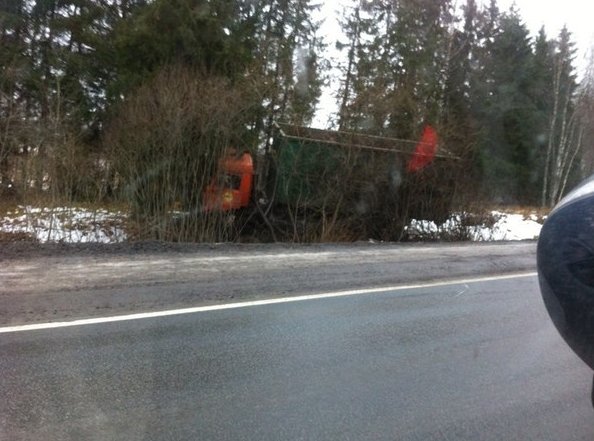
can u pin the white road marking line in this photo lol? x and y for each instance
(327, 295)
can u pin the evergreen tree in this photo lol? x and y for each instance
(458, 121)
(508, 117)
(191, 32)
(357, 25)
(14, 70)
(285, 63)
(398, 50)
(542, 85)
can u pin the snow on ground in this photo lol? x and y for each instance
(65, 224)
(80, 225)
(509, 227)
(501, 226)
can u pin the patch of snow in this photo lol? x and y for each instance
(506, 226)
(80, 225)
(515, 227)
(66, 224)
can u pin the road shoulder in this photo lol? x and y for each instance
(65, 283)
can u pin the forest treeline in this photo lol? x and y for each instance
(97, 94)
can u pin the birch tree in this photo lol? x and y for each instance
(566, 131)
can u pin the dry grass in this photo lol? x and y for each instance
(527, 211)
(7, 206)
(17, 237)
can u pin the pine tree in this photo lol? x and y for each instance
(458, 121)
(357, 25)
(508, 116)
(285, 63)
(14, 69)
(398, 50)
(542, 85)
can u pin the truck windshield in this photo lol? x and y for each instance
(231, 181)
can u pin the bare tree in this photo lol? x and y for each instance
(566, 124)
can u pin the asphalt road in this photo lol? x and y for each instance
(68, 283)
(476, 361)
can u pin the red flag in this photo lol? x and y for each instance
(424, 151)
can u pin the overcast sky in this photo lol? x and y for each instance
(578, 15)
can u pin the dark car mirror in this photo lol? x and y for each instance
(565, 261)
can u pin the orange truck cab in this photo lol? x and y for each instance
(231, 189)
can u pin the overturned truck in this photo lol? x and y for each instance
(321, 185)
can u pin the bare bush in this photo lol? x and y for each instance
(164, 145)
(42, 156)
